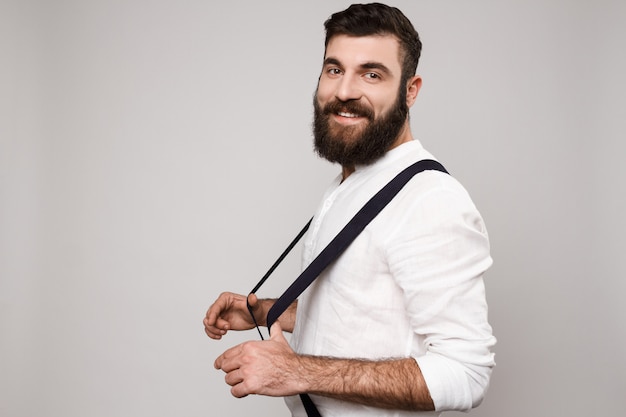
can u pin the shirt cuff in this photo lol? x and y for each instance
(447, 382)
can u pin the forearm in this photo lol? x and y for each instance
(392, 384)
(287, 320)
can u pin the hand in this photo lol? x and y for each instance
(262, 367)
(230, 312)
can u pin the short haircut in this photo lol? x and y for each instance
(379, 19)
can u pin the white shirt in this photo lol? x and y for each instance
(410, 285)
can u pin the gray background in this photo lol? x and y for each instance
(156, 153)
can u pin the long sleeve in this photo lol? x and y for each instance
(438, 254)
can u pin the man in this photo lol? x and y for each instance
(397, 325)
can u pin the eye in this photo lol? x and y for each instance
(333, 71)
(372, 76)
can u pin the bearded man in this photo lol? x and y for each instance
(397, 325)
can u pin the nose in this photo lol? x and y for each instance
(348, 88)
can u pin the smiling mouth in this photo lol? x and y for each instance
(348, 115)
(348, 112)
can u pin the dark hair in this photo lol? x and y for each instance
(378, 19)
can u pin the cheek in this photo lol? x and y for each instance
(383, 104)
(324, 92)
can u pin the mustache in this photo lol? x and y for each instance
(352, 106)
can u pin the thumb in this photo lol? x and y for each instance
(253, 301)
(276, 333)
(255, 306)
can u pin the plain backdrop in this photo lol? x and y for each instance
(156, 153)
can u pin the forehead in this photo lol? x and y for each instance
(359, 50)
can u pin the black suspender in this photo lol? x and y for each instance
(336, 247)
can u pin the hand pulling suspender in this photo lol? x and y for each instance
(339, 243)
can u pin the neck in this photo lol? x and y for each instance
(346, 171)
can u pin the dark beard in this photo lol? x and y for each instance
(349, 148)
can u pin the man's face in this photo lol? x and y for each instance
(360, 107)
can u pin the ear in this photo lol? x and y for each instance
(412, 89)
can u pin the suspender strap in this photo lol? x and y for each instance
(309, 406)
(343, 239)
(350, 231)
(272, 268)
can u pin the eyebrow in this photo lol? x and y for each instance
(367, 65)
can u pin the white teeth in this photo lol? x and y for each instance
(344, 114)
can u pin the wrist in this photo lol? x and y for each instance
(306, 366)
(264, 306)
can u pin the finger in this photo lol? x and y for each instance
(222, 361)
(229, 360)
(223, 302)
(211, 328)
(234, 377)
(256, 306)
(220, 327)
(253, 300)
(214, 333)
(215, 326)
(276, 333)
(239, 386)
(218, 362)
(215, 310)
(239, 391)
(254, 303)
